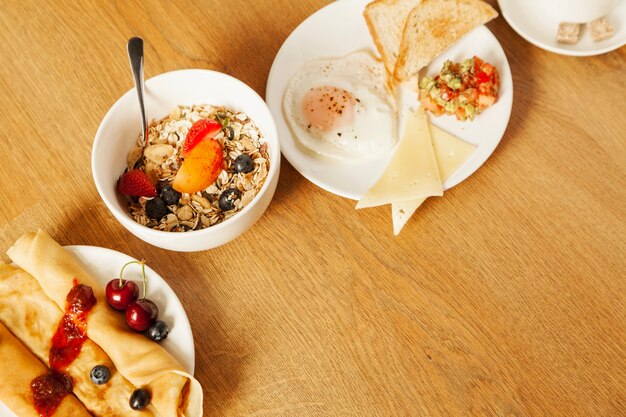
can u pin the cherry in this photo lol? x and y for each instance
(140, 314)
(154, 310)
(123, 295)
(120, 293)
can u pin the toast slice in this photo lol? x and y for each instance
(435, 25)
(385, 20)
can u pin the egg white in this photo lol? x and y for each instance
(374, 128)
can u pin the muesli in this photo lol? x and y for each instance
(240, 169)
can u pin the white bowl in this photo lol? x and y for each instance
(119, 129)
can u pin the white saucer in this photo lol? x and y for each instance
(539, 27)
(339, 29)
(104, 265)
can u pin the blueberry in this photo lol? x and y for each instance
(156, 208)
(243, 163)
(229, 132)
(227, 199)
(157, 331)
(170, 195)
(100, 374)
(139, 399)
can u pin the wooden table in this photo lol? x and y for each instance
(504, 298)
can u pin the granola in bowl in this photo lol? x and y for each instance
(205, 164)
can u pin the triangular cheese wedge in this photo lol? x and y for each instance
(450, 153)
(412, 172)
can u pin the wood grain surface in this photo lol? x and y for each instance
(504, 298)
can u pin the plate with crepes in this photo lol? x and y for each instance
(104, 264)
(62, 297)
(339, 29)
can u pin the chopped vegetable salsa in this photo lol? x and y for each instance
(464, 89)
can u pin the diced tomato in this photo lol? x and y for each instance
(485, 101)
(430, 104)
(488, 69)
(482, 77)
(496, 82)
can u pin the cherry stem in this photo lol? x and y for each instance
(122, 271)
(143, 273)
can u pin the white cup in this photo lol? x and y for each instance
(580, 11)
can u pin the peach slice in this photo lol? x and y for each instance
(200, 168)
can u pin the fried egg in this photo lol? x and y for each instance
(342, 108)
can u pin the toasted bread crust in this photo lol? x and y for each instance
(432, 27)
(368, 14)
(385, 20)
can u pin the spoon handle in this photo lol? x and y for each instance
(135, 56)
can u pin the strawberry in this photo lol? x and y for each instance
(136, 182)
(202, 129)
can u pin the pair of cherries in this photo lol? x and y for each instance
(123, 295)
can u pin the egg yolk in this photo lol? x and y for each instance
(328, 108)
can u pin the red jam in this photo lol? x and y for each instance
(71, 332)
(49, 390)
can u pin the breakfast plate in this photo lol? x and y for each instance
(538, 25)
(104, 264)
(5, 412)
(340, 29)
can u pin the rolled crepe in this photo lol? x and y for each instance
(33, 317)
(173, 391)
(19, 369)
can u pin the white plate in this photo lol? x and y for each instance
(538, 25)
(339, 29)
(104, 265)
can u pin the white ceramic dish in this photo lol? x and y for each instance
(575, 11)
(539, 25)
(339, 29)
(118, 132)
(105, 264)
(5, 412)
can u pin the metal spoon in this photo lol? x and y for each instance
(135, 56)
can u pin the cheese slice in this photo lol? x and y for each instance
(450, 153)
(412, 172)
